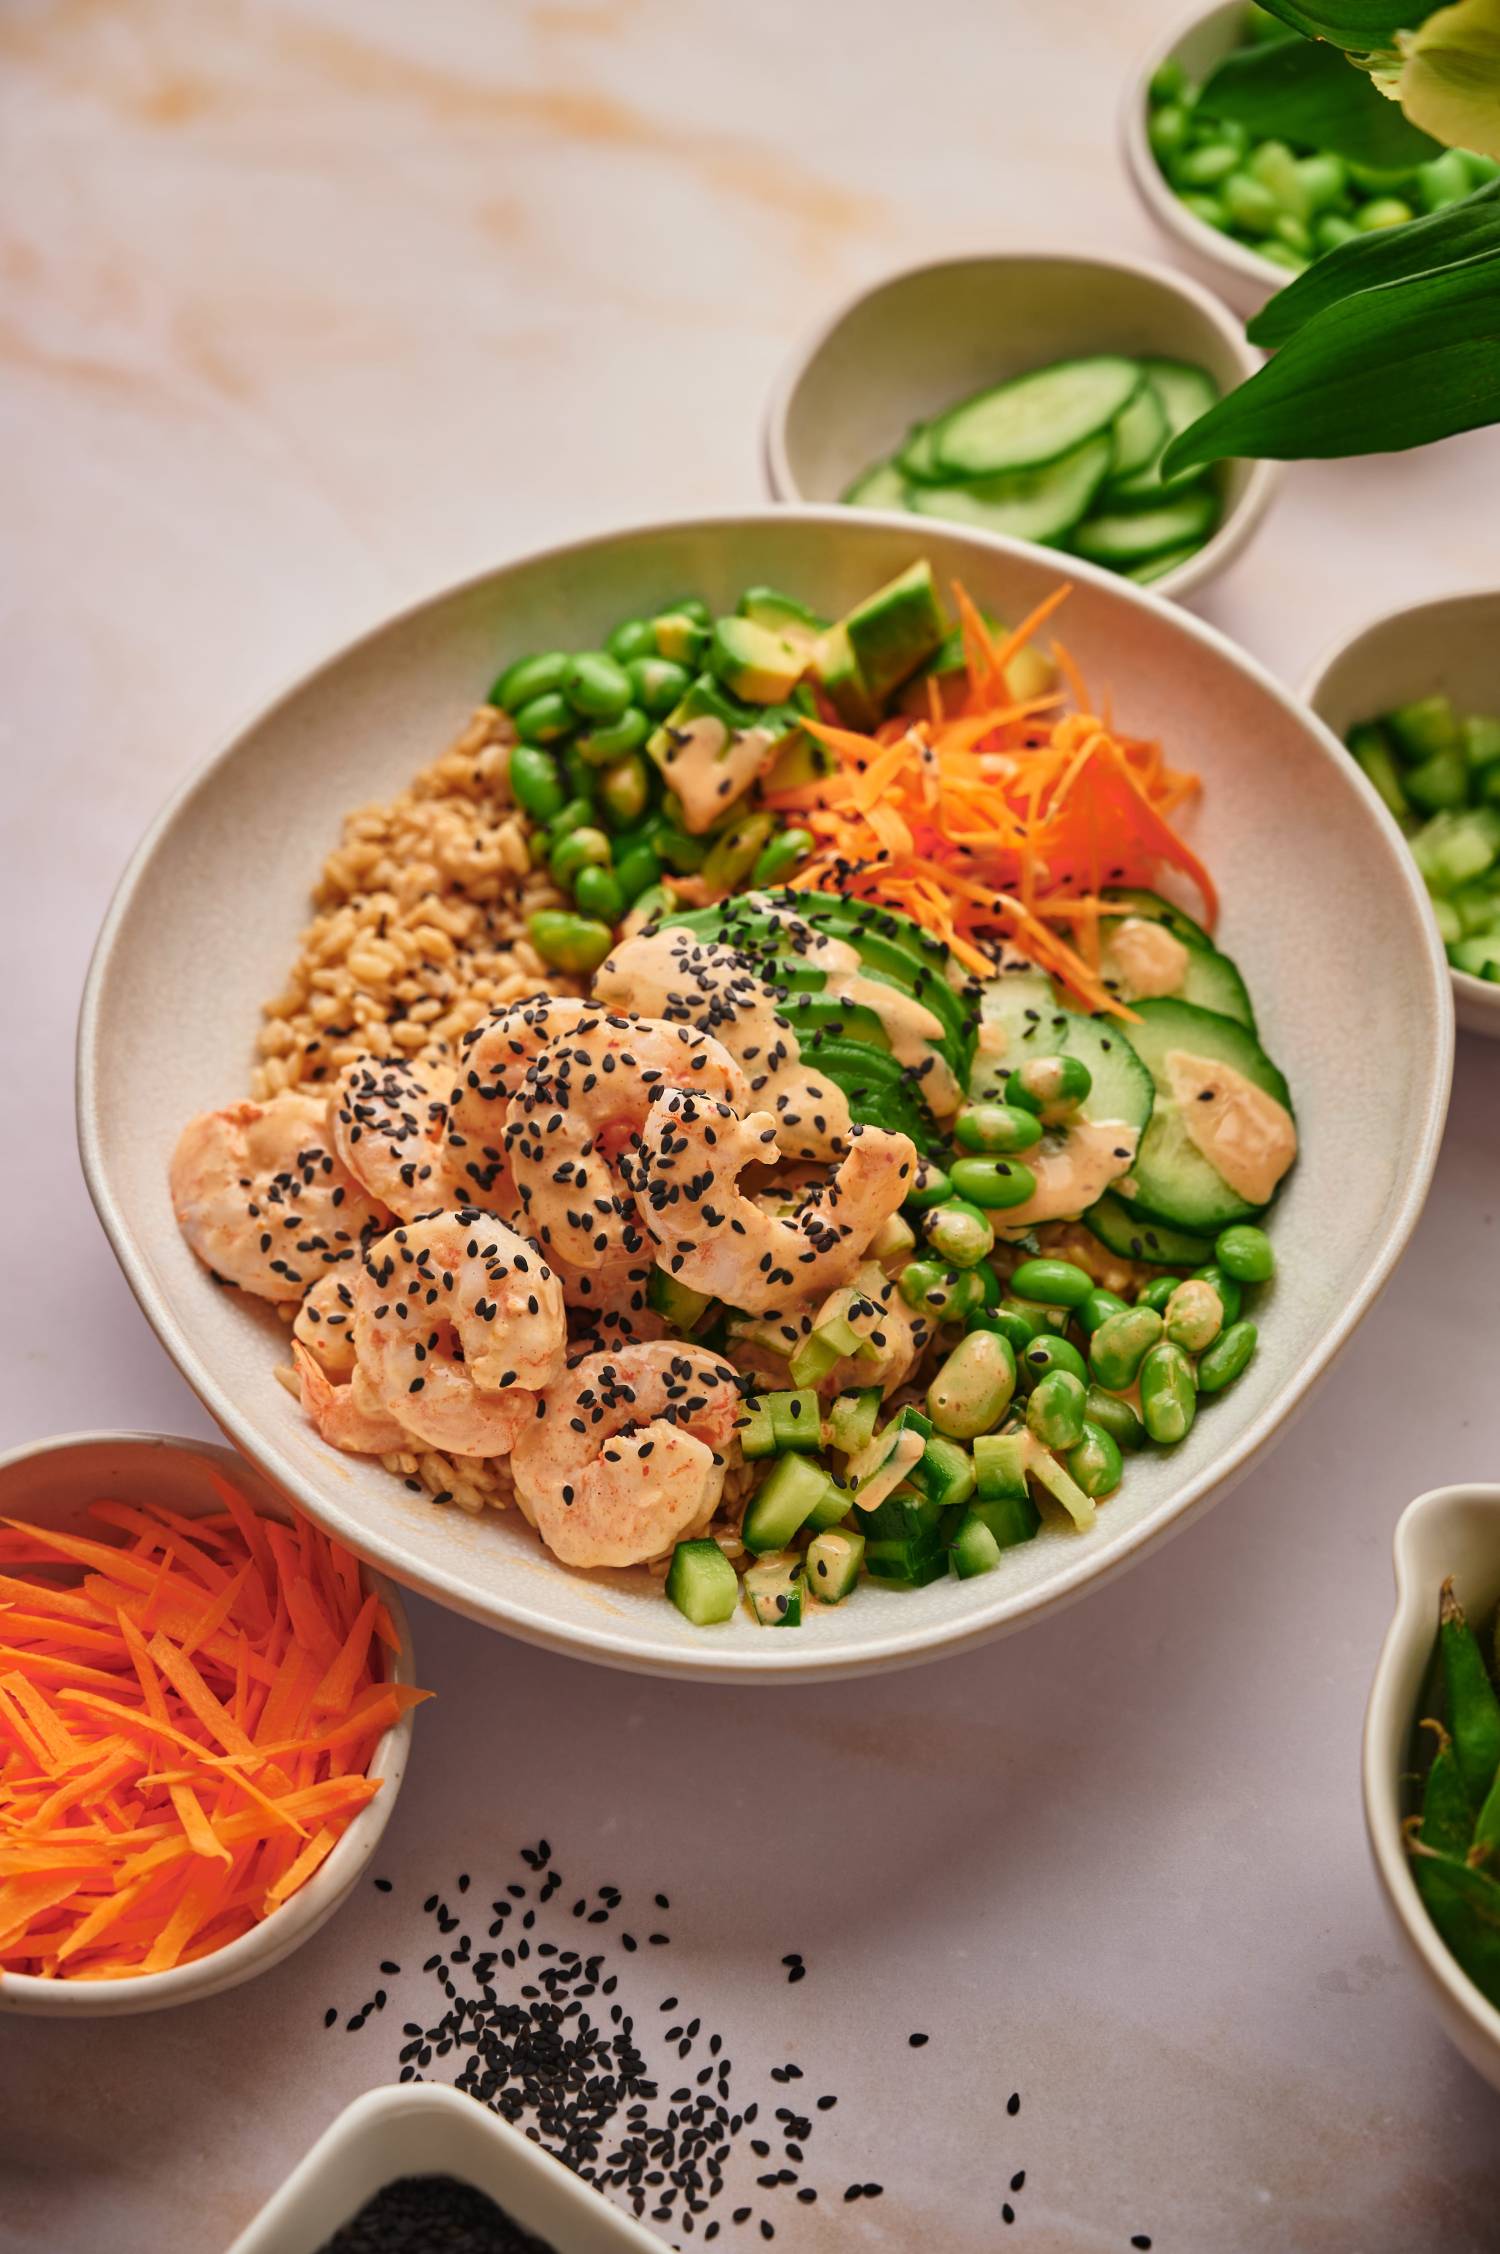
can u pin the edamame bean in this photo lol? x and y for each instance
(989, 1127)
(1052, 1087)
(654, 901)
(546, 719)
(573, 816)
(929, 1186)
(1246, 1254)
(1194, 1316)
(1169, 1398)
(1250, 203)
(1046, 1353)
(599, 893)
(1157, 1292)
(1324, 180)
(632, 638)
(1017, 1323)
(1382, 211)
(596, 686)
(578, 850)
(941, 1294)
(1117, 1418)
(1055, 1411)
(732, 854)
(535, 784)
(1227, 1358)
(637, 870)
(611, 739)
(679, 849)
(1120, 1343)
(973, 1389)
(1057, 1283)
(1294, 233)
(781, 856)
(579, 776)
(1210, 209)
(528, 678)
(1207, 165)
(1226, 1287)
(569, 941)
(958, 1232)
(1473, 1710)
(657, 683)
(1095, 1462)
(625, 791)
(1443, 180)
(994, 1183)
(1096, 1309)
(1331, 230)
(1167, 80)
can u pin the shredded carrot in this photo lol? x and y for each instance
(997, 821)
(187, 1719)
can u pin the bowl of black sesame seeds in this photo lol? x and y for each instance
(406, 2170)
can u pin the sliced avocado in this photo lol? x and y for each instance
(710, 748)
(783, 615)
(801, 760)
(880, 1092)
(819, 1017)
(753, 662)
(892, 631)
(837, 673)
(680, 637)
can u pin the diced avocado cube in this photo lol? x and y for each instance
(801, 759)
(832, 1564)
(710, 748)
(783, 615)
(702, 1583)
(752, 662)
(683, 639)
(774, 1593)
(682, 1306)
(839, 677)
(974, 1549)
(1424, 727)
(757, 1432)
(1015, 1518)
(796, 1420)
(781, 1504)
(894, 630)
(851, 1420)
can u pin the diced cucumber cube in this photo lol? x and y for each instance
(702, 1583)
(1479, 957)
(1011, 1519)
(781, 1504)
(911, 1560)
(1481, 736)
(757, 1432)
(974, 1549)
(851, 1420)
(833, 1564)
(831, 1511)
(774, 1593)
(1425, 727)
(682, 1306)
(945, 1473)
(889, 1458)
(1000, 1466)
(796, 1420)
(893, 1239)
(1060, 1485)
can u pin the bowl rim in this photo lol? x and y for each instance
(1388, 1724)
(272, 1939)
(617, 1647)
(1479, 995)
(357, 2132)
(1150, 182)
(1241, 518)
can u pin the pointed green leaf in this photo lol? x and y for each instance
(1370, 374)
(1470, 229)
(1360, 27)
(1298, 90)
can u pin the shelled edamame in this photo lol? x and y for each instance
(1440, 776)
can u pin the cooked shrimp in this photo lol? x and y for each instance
(386, 1117)
(578, 1114)
(715, 1239)
(347, 1416)
(629, 1454)
(262, 1199)
(492, 1062)
(457, 1323)
(325, 1326)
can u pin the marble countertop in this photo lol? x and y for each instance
(311, 306)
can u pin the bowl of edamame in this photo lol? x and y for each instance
(1416, 696)
(1431, 1758)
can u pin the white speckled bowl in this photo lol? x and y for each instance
(422, 2130)
(206, 920)
(920, 341)
(1453, 1530)
(1239, 274)
(1450, 644)
(52, 1483)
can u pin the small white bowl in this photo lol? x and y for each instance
(1238, 273)
(1452, 645)
(423, 2130)
(1452, 1530)
(52, 1483)
(922, 340)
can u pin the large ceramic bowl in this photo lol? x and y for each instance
(52, 1483)
(919, 341)
(1452, 1531)
(205, 924)
(1452, 645)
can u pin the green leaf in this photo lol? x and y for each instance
(1466, 230)
(1298, 90)
(1360, 27)
(1371, 374)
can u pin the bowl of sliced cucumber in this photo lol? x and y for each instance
(1029, 395)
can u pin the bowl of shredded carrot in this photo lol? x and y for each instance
(205, 1713)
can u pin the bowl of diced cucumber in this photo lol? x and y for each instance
(1416, 696)
(1029, 395)
(1249, 211)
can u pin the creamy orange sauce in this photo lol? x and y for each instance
(1072, 1172)
(709, 768)
(1147, 959)
(1246, 1135)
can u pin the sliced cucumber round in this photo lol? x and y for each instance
(915, 459)
(1023, 1004)
(1184, 393)
(1157, 910)
(1139, 433)
(1039, 504)
(1036, 418)
(1173, 1180)
(880, 488)
(1122, 537)
(1127, 1236)
(1209, 980)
